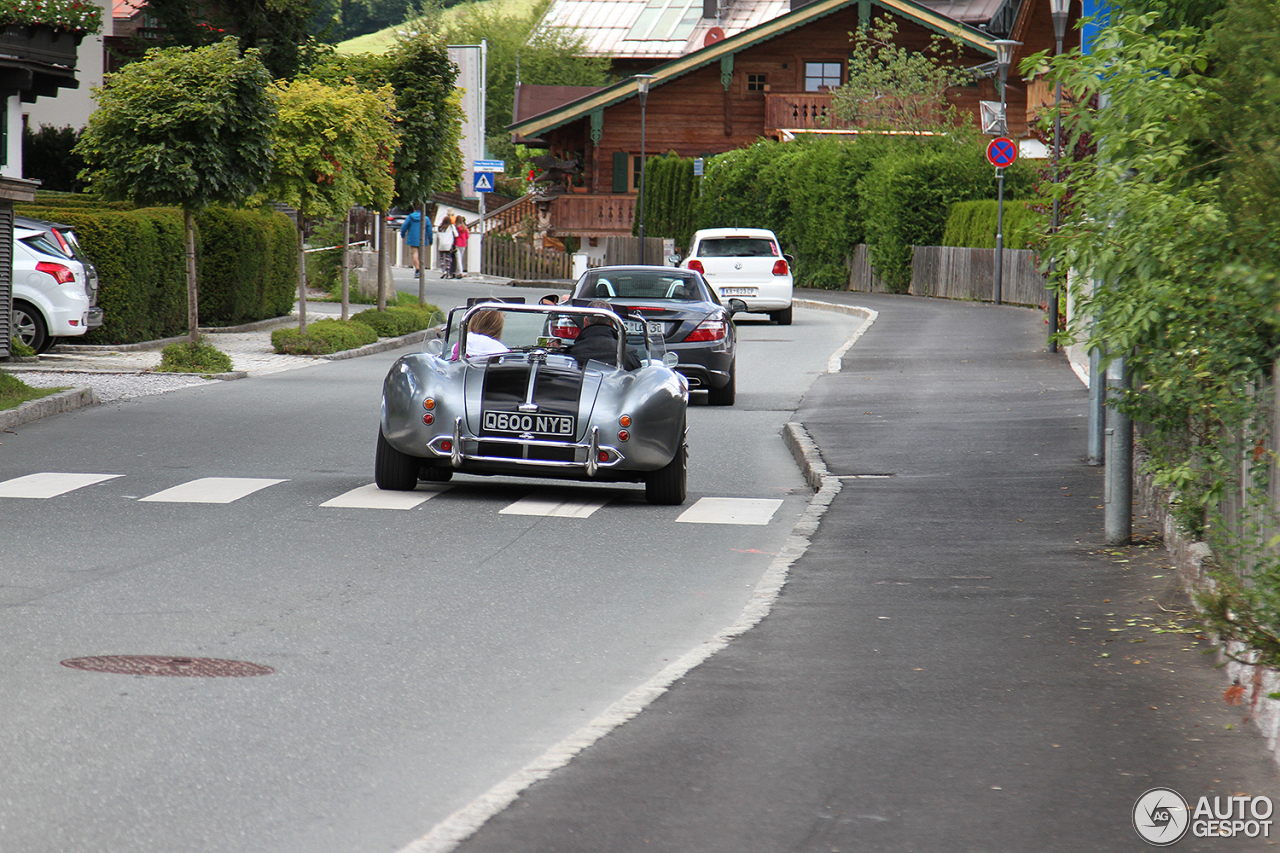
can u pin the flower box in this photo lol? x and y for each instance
(41, 44)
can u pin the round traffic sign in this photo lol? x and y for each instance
(1002, 151)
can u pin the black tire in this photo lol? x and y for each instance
(392, 470)
(435, 475)
(783, 317)
(725, 395)
(29, 327)
(668, 485)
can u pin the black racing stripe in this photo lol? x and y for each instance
(556, 390)
(505, 385)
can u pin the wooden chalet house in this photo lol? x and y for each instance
(773, 79)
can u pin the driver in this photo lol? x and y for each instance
(599, 340)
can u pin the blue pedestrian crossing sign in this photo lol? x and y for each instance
(484, 182)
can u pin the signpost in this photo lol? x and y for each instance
(1002, 152)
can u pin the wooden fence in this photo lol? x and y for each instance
(948, 272)
(509, 258)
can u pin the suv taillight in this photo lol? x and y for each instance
(708, 330)
(780, 267)
(563, 327)
(62, 241)
(61, 274)
(696, 266)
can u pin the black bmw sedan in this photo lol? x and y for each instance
(677, 307)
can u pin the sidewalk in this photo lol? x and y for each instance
(957, 663)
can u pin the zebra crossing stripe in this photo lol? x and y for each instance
(555, 505)
(731, 511)
(211, 490)
(49, 485)
(371, 497)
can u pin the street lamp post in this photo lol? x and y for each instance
(1058, 8)
(642, 86)
(1004, 58)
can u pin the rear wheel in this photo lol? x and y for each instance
(393, 470)
(29, 327)
(724, 396)
(783, 317)
(667, 486)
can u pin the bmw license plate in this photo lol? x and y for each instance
(539, 426)
(655, 328)
(737, 291)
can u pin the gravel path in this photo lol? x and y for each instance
(111, 387)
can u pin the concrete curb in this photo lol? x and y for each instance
(380, 345)
(34, 410)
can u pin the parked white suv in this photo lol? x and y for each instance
(55, 287)
(746, 264)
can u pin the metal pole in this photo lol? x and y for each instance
(1118, 523)
(1096, 449)
(643, 98)
(1057, 177)
(999, 234)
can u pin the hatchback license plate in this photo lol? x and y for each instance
(543, 426)
(737, 291)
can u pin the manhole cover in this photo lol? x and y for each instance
(167, 665)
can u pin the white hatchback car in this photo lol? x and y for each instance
(746, 264)
(55, 287)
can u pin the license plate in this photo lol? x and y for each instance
(655, 328)
(541, 426)
(737, 291)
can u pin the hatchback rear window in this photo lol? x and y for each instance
(737, 247)
(45, 246)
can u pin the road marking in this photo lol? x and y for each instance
(49, 485)
(211, 490)
(555, 505)
(730, 511)
(371, 497)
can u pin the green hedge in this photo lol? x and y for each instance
(399, 319)
(246, 263)
(972, 224)
(323, 337)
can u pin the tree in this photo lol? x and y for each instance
(519, 48)
(894, 88)
(429, 107)
(184, 127)
(280, 29)
(334, 147)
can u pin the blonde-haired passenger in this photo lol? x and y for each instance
(484, 332)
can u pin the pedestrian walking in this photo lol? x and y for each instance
(412, 232)
(446, 233)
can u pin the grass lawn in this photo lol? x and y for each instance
(381, 41)
(13, 393)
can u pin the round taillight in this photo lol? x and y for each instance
(623, 435)
(604, 456)
(696, 266)
(429, 404)
(428, 419)
(446, 446)
(780, 266)
(625, 421)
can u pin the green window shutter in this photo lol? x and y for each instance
(621, 163)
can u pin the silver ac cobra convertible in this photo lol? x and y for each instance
(503, 392)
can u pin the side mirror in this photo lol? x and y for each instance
(435, 347)
(671, 360)
(673, 260)
(737, 306)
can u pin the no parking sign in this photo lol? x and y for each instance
(1002, 151)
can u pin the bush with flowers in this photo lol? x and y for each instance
(83, 17)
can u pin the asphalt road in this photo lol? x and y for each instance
(420, 656)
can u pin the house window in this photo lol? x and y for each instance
(626, 172)
(757, 82)
(666, 20)
(822, 76)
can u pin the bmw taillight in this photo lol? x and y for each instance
(780, 267)
(708, 330)
(696, 266)
(61, 274)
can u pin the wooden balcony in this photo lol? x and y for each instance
(799, 111)
(588, 215)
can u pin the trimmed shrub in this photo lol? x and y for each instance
(398, 320)
(193, 357)
(972, 224)
(323, 337)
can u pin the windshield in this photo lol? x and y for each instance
(42, 244)
(662, 285)
(737, 247)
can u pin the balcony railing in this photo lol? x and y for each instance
(800, 111)
(587, 215)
